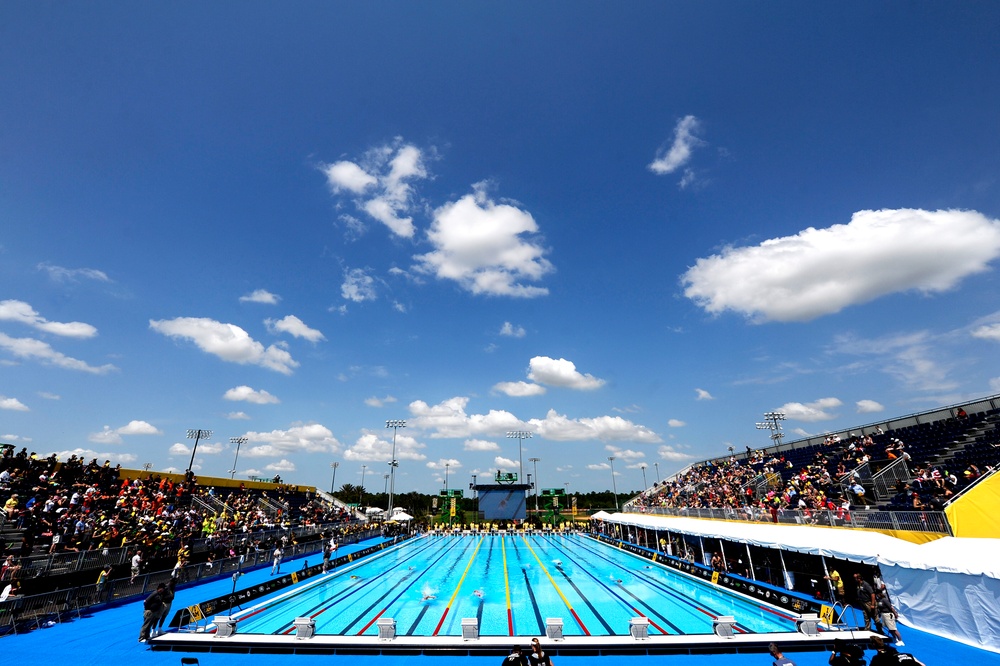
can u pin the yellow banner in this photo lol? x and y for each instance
(826, 614)
(974, 514)
(196, 615)
(715, 577)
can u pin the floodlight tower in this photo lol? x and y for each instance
(520, 435)
(643, 467)
(773, 425)
(238, 441)
(333, 481)
(535, 462)
(614, 484)
(395, 424)
(196, 435)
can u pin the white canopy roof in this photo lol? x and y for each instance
(969, 556)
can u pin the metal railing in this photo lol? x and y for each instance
(920, 521)
(71, 562)
(39, 610)
(885, 480)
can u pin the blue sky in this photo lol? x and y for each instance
(629, 228)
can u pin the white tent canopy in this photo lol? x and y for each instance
(949, 586)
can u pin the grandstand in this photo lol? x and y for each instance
(926, 484)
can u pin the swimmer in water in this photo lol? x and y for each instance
(479, 593)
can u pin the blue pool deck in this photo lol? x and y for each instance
(110, 636)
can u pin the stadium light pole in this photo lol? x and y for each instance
(643, 467)
(657, 466)
(385, 485)
(238, 441)
(361, 490)
(395, 424)
(197, 436)
(333, 481)
(614, 484)
(520, 435)
(772, 424)
(447, 496)
(535, 462)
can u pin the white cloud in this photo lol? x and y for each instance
(988, 332)
(371, 447)
(138, 428)
(179, 449)
(89, 454)
(822, 271)
(300, 438)
(907, 357)
(869, 406)
(49, 396)
(995, 384)
(60, 274)
(676, 423)
(519, 389)
(22, 313)
(348, 176)
(13, 404)
(440, 464)
(281, 466)
(109, 435)
(480, 445)
(703, 394)
(817, 410)
(596, 467)
(510, 330)
(260, 296)
(379, 402)
(625, 454)
(227, 341)
(503, 463)
(248, 394)
(667, 452)
(449, 420)
(358, 286)
(238, 416)
(382, 186)
(558, 427)
(30, 348)
(487, 248)
(293, 326)
(560, 372)
(679, 153)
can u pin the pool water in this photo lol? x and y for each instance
(512, 584)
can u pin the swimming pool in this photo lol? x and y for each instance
(512, 585)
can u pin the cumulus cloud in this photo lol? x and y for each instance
(869, 406)
(22, 313)
(227, 341)
(487, 248)
(32, 349)
(519, 389)
(510, 330)
(12, 404)
(379, 402)
(667, 452)
(480, 445)
(558, 427)
(109, 435)
(116, 457)
(669, 160)
(822, 271)
(300, 438)
(238, 416)
(248, 394)
(260, 296)
(811, 411)
(372, 447)
(442, 463)
(988, 332)
(702, 394)
(281, 466)
(676, 423)
(502, 462)
(381, 186)
(358, 286)
(49, 396)
(60, 274)
(625, 454)
(204, 448)
(293, 326)
(448, 419)
(912, 359)
(562, 373)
